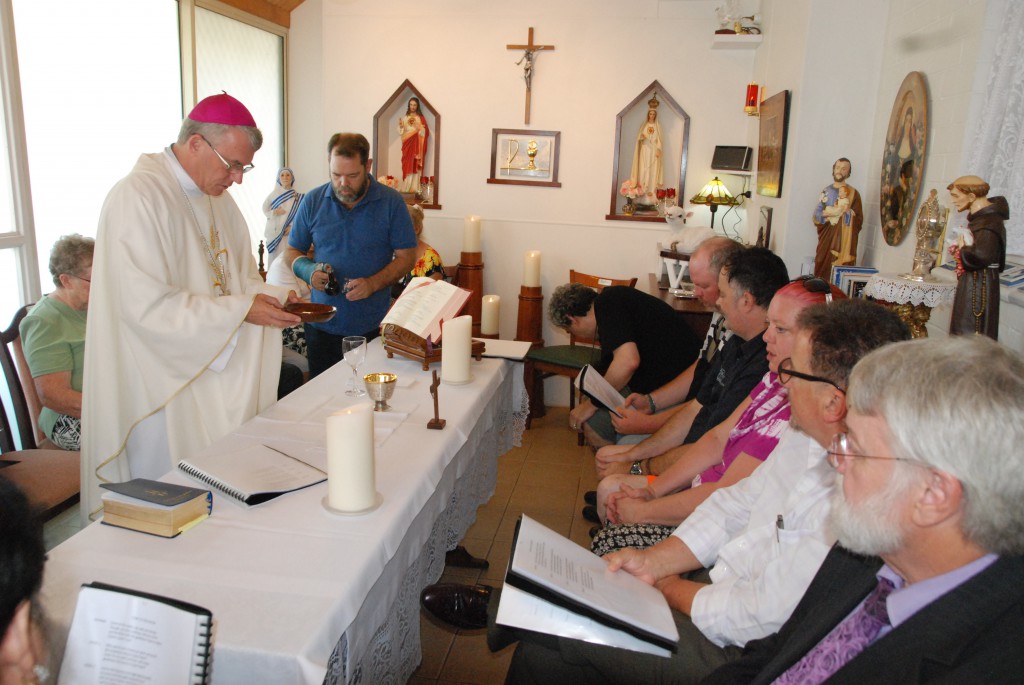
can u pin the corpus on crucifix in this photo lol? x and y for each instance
(530, 51)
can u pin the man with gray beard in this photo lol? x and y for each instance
(364, 242)
(924, 584)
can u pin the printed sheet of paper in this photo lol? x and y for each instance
(576, 577)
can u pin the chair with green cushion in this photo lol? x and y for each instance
(566, 360)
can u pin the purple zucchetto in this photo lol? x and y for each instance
(222, 109)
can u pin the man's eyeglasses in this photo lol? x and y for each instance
(232, 168)
(816, 284)
(786, 372)
(839, 450)
(87, 280)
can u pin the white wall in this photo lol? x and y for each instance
(842, 61)
(453, 51)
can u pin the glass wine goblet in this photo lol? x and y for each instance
(353, 347)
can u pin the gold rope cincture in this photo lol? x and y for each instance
(215, 254)
(978, 313)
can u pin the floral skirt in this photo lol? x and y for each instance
(638, 535)
(294, 337)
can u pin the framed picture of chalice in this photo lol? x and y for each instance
(525, 157)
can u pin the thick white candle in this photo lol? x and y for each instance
(491, 308)
(531, 269)
(351, 480)
(471, 234)
(456, 342)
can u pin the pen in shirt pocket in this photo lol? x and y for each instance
(779, 525)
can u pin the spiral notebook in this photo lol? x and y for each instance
(120, 635)
(253, 474)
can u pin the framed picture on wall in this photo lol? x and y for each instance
(407, 145)
(903, 157)
(764, 229)
(525, 157)
(771, 145)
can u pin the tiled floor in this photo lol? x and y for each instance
(545, 478)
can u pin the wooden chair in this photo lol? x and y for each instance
(566, 360)
(50, 477)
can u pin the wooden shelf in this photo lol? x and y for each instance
(736, 41)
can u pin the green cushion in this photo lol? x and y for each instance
(575, 357)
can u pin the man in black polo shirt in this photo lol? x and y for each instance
(644, 344)
(747, 282)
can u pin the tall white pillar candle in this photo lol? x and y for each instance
(531, 269)
(489, 314)
(471, 234)
(351, 480)
(456, 342)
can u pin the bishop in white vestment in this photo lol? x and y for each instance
(183, 342)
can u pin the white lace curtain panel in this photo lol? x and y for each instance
(996, 148)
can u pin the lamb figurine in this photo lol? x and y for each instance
(685, 238)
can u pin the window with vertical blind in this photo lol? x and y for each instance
(248, 63)
(101, 83)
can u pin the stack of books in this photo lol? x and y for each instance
(163, 509)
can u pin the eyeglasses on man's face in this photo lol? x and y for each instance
(786, 373)
(235, 168)
(839, 451)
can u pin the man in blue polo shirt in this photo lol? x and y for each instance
(363, 237)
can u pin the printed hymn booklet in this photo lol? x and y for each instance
(253, 474)
(593, 385)
(554, 586)
(123, 636)
(424, 304)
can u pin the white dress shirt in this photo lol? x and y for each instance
(766, 538)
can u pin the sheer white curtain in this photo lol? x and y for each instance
(995, 144)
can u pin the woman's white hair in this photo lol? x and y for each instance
(957, 404)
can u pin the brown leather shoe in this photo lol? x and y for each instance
(463, 606)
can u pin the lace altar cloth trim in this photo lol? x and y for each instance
(901, 291)
(394, 650)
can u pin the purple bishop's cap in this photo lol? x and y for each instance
(222, 109)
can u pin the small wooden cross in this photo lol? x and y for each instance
(530, 49)
(435, 423)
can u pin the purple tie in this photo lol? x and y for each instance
(847, 640)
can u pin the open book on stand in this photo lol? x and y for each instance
(124, 636)
(253, 475)
(554, 586)
(593, 385)
(424, 304)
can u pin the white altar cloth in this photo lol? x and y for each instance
(300, 595)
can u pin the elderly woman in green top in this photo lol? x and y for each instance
(53, 337)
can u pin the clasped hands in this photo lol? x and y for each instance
(627, 505)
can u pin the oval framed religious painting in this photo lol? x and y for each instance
(903, 157)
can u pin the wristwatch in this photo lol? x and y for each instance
(636, 469)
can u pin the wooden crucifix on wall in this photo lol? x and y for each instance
(530, 51)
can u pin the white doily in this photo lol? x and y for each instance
(892, 288)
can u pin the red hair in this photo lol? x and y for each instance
(799, 292)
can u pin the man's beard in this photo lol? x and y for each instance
(871, 526)
(349, 197)
(838, 177)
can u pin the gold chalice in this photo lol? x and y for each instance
(380, 387)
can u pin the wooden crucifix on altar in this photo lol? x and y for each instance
(529, 54)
